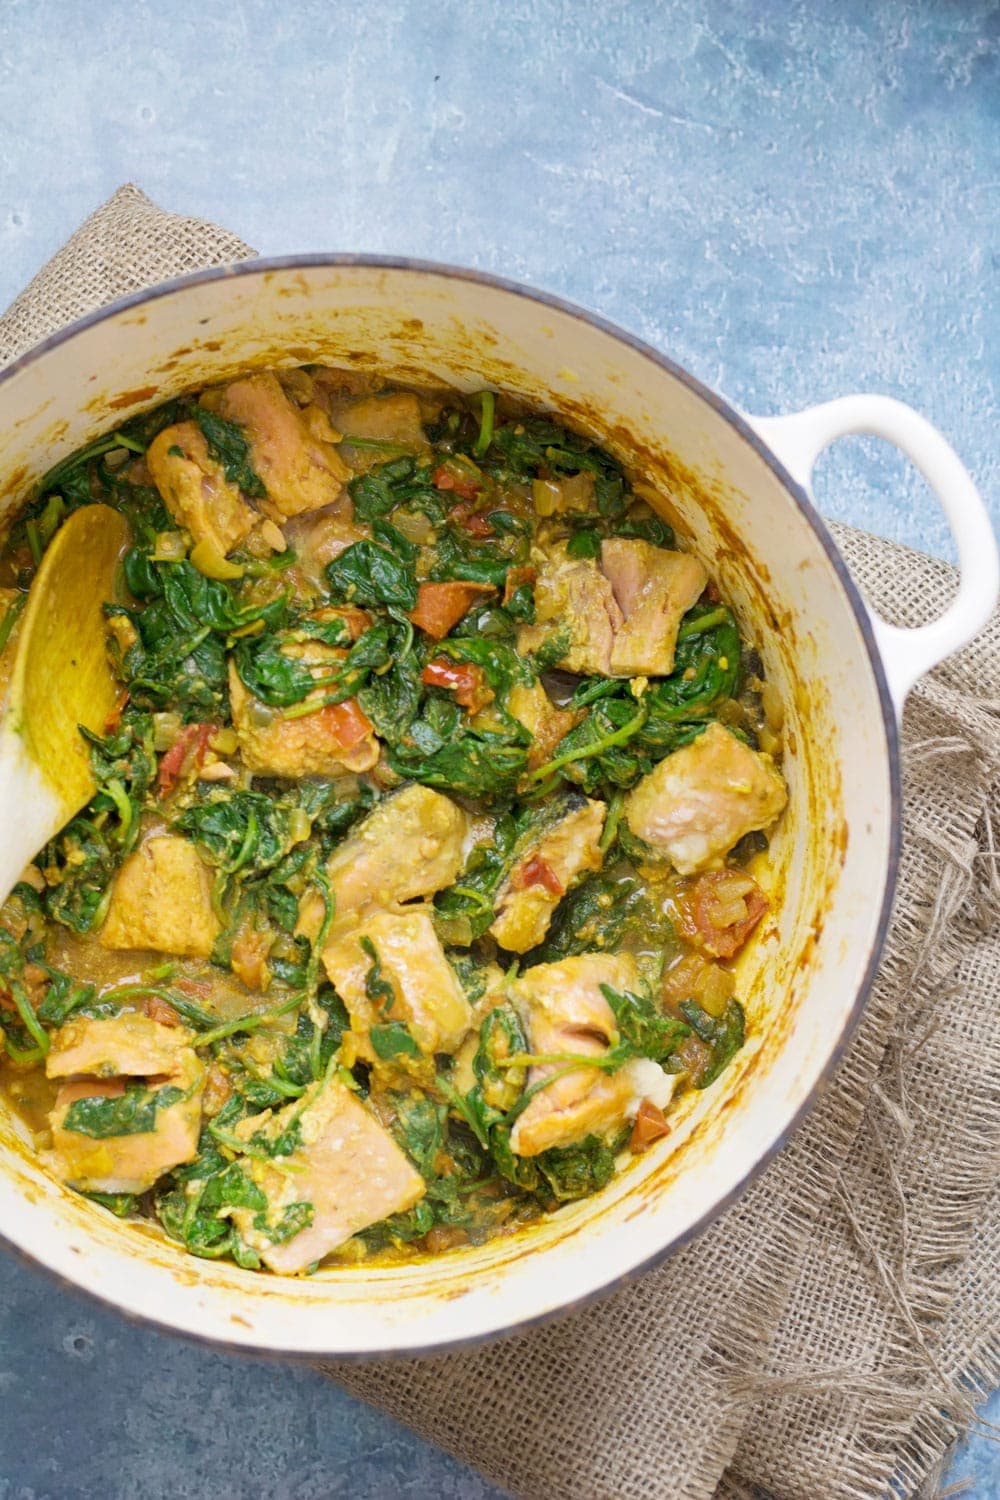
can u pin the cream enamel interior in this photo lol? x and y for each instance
(832, 856)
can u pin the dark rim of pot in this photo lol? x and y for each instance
(810, 515)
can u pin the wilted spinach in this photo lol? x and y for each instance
(600, 914)
(373, 574)
(132, 1113)
(82, 859)
(724, 1035)
(229, 447)
(385, 487)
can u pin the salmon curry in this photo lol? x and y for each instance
(431, 817)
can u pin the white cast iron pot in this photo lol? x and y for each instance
(738, 489)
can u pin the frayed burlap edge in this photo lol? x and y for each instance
(912, 1224)
(125, 245)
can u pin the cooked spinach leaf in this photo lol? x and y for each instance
(533, 447)
(420, 1127)
(465, 910)
(571, 1172)
(385, 487)
(293, 1219)
(600, 914)
(229, 447)
(724, 1034)
(391, 1039)
(643, 1030)
(280, 679)
(372, 574)
(243, 831)
(132, 1113)
(82, 859)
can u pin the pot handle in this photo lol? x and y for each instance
(799, 439)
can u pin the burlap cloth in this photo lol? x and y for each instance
(829, 1336)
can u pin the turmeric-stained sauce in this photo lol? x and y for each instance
(407, 903)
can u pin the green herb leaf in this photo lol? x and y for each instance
(122, 1205)
(295, 1218)
(643, 1030)
(367, 573)
(229, 447)
(724, 1034)
(131, 1113)
(420, 1129)
(378, 989)
(82, 859)
(392, 1040)
(603, 913)
(584, 543)
(571, 1172)
(385, 487)
(242, 831)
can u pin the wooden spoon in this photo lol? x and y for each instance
(61, 678)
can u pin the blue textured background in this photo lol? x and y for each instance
(796, 200)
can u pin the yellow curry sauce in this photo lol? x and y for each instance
(406, 904)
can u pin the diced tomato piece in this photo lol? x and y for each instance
(160, 1010)
(719, 910)
(536, 871)
(446, 478)
(475, 522)
(347, 723)
(188, 749)
(650, 1125)
(442, 605)
(114, 718)
(197, 988)
(514, 580)
(218, 1089)
(464, 679)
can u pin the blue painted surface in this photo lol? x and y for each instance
(794, 200)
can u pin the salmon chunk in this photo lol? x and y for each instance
(393, 418)
(428, 998)
(291, 449)
(701, 800)
(319, 537)
(654, 589)
(563, 1010)
(129, 1045)
(442, 605)
(411, 844)
(548, 862)
(162, 899)
(114, 1056)
(195, 490)
(333, 741)
(347, 1167)
(573, 599)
